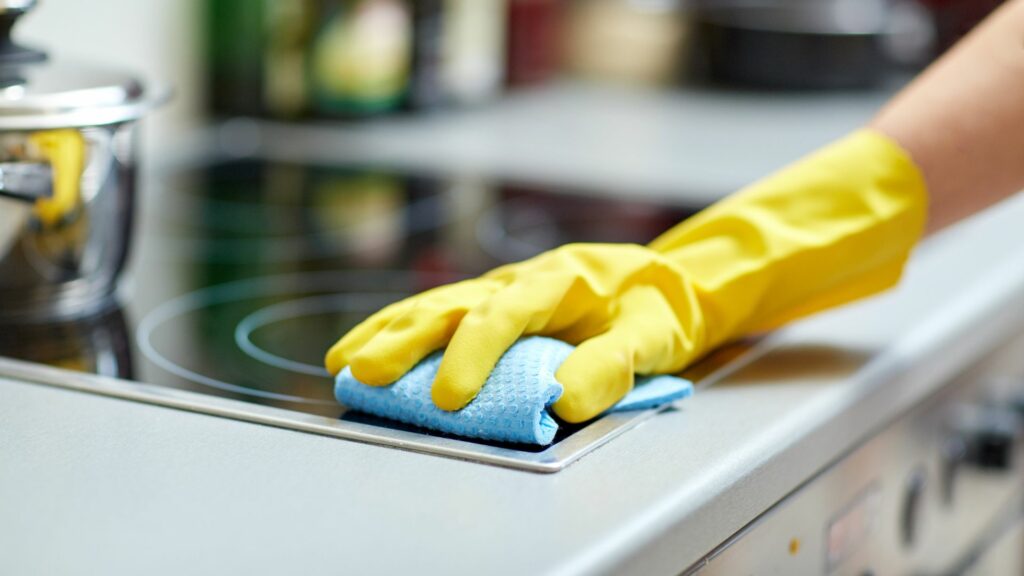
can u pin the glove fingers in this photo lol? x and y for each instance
(338, 355)
(486, 332)
(422, 325)
(401, 344)
(596, 375)
(440, 301)
(643, 338)
(660, 345)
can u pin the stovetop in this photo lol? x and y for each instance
(246, 271)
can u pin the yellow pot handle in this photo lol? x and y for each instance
(65, 151)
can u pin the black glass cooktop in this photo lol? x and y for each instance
(245, 272)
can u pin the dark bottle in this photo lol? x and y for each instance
(532, 40)
(234, 45)
(426, 82)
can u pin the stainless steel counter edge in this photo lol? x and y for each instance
(550, 460)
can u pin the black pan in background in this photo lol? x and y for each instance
(802, 45)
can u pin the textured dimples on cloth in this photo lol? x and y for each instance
(514, 404)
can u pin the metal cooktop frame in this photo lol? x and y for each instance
(556, 457)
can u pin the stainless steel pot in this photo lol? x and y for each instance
(68, 135)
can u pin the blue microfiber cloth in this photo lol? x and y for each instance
(511, 407)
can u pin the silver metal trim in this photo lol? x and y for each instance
(72, 117)
(556, 457)
(17, 5)
(28, 181)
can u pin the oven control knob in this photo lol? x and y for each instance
(913, 506)
(954, 454)
(992, 438)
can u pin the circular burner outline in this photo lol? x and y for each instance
(286, 311)
(240, 290)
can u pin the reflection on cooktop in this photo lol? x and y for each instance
(247, 271)
(256, 333)
(99, 344)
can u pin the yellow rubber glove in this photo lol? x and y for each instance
(834, 227)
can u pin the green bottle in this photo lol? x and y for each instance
(361, 56)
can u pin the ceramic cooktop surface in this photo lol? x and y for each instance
(246, 271)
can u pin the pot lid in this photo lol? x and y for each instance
(37, 92)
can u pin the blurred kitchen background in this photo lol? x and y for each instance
(599, 93)
(349, 64)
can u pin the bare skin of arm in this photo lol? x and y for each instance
(962, 120)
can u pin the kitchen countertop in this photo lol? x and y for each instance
(92, 484)
(98, 485)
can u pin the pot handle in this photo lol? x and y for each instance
(11, 52)
(27, 181)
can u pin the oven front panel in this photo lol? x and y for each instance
(939, 491)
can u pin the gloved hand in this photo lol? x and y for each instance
(834, 227)
(630, 309)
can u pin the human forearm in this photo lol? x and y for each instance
(962, 120)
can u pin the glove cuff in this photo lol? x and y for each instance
(831, 228)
